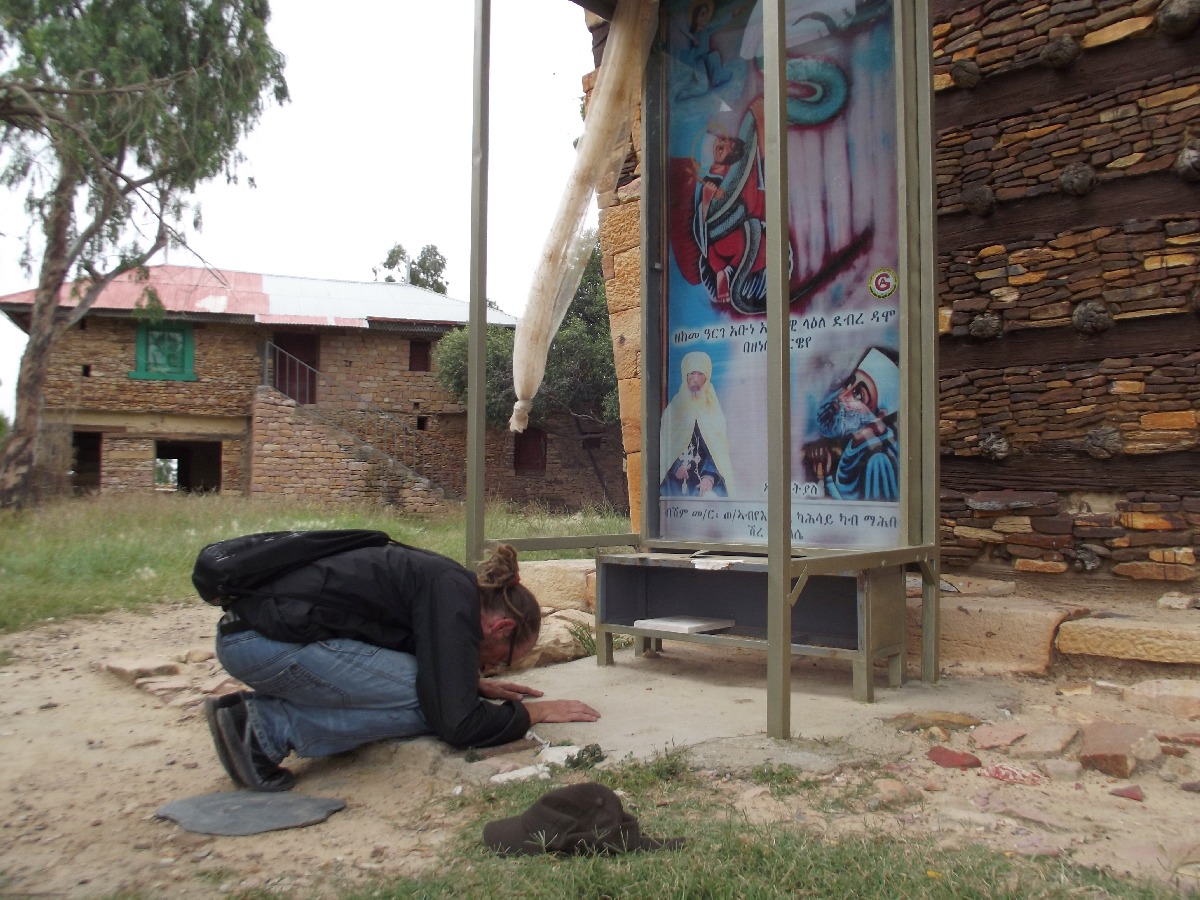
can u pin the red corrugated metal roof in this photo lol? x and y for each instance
(277, 299)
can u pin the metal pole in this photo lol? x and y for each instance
(477, 340)
(920, 287)
(779, 394)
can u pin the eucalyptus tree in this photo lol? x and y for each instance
(580, 377)
(111, 113)
(425, 271)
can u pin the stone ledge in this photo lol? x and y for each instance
(1176, 641)
(561, 583)
(993, 635)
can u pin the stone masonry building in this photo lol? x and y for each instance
(263, 385)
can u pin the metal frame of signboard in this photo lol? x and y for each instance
(786, 569)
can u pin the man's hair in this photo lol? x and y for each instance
(501, 593)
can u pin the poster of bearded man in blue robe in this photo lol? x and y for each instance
(859, 458)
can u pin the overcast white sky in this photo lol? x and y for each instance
(375, 148)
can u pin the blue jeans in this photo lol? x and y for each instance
(326, 697)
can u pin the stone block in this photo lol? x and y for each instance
(1043, 541)
(1022, 552)
(560, 583)
(989, 737)
(979, 534)
(558, 641)
(1184, 556)
(1178, 600)
(1154, 571)
(1169, 420)
(1116, 749)
(1012, 525)
(997, 500)
(623, 293)
(1177, 697)
(626, 330)
(626, 293)
(952, 759)
(130, 670)
(1190, 738)
(629, 397)
(163, 685)
(1041, 566)
(1131, 639)
(1140, 521)
(1053, 524)
(621, 228)
(1061, 769)
(974, 585)
(1044, 742)
(996, 635)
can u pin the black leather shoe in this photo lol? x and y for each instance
(245, 759)
(211, 705)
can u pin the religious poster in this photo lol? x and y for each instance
(844, 294)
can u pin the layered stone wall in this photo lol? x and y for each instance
(127, 464)
(1132, 131)
(1086, 280)
(1132, 405)
(376, 364)
(1145, 536)
(226, 362)
(582, 468)
(1068, 290)
(999, 35)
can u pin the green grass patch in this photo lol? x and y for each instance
(783, 780)
(725, 857)
(128, 551)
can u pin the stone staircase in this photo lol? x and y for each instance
(336, 404)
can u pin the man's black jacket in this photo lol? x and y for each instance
(403, 599)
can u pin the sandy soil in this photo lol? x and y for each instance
(89, 758)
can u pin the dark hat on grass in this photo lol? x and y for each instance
(583, 818)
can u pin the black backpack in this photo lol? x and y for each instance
(237, 567)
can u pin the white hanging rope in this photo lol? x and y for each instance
(598, 159)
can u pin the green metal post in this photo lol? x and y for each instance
(779, 394)
(477, 342)
(914, 96)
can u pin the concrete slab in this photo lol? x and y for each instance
(715, 698)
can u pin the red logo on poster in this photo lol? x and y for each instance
(884, 283)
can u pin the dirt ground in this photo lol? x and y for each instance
(89, 758)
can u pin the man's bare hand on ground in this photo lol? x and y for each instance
(560, 711)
